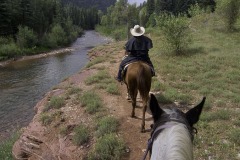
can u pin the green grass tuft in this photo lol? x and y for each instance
(81, 135)
(6, 147)
(106, 125)
(55, 103)
(112, 88)
(109, 147)
(92, 101)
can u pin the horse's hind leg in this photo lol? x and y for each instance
(133, 95)
(143, 116)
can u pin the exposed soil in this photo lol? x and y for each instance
(46, 142)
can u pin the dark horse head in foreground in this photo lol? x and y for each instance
(138, 78)
(172, 133)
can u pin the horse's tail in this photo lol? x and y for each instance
(144, 84)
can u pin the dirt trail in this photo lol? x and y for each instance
(130, 127)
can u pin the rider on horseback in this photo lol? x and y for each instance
(137, 49)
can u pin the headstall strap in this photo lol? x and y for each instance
(154, 134)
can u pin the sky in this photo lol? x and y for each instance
(136, 1)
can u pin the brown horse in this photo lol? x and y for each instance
(138, 78)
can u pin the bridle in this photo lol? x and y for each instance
(162, 124)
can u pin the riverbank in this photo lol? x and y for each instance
(40, 55)
(24, 82)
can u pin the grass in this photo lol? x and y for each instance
(217, 115)
(47, 118)
(112, 88)
(6, 147)
(102, 80)
(54, 103)
(97, 78)
(209, 68)
(81, 135)
(91, 101)
(108, 147)
(73, 90)
(156, 85)
(95, 61)
(234, 136)
(106, 125)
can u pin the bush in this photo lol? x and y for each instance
(176, 31)
(6, 146)
(106, 125)
(108, 147)
(26, 38)
(9, 51)
(72, 31)
(57, 37)
(92, 102)
(229, 10)
(81, 135)
(54, 103)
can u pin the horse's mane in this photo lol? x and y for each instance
(173, 143)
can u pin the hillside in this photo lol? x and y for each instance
(99, 4)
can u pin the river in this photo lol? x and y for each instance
(24, 83)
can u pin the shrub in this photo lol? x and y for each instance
(57, 36)
(55, 102)
(26, 38)
(176, 31)
(229, 10)
(6, 147)
(46, 119)
(9, 51)
(71, 30)
(106, 125)
(108, 147)
(81, 135)
(112, 88)
(92, 102)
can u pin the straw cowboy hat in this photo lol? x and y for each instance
(137, 30)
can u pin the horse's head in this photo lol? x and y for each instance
(190, 118)
(172, 136)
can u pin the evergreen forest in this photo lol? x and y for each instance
(32, 26)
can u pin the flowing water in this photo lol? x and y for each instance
(23, 83)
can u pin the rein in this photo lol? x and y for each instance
(160, 125)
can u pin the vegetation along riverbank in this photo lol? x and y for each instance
(33, 27)
(87, 115)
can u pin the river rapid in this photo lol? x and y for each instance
(24, 83)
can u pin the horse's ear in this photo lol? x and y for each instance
(154, 107)
(193, 114)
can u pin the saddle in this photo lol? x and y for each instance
(126, 66)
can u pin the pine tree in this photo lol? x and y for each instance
(150, 7)
(4, 19)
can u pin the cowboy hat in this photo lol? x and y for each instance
(137, 30)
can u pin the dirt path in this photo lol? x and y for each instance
(130, 127)
(121, 108)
